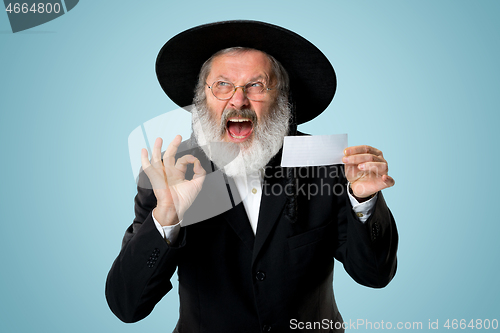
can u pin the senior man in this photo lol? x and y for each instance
(265, 262)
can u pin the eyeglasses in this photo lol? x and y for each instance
(254, 91)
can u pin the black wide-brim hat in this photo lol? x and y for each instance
(312, 78)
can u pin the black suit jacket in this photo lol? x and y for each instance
(233, 281)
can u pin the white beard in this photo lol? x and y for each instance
(249, 157)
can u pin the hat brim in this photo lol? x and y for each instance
(312, 78)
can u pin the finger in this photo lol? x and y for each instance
(156, 179)
(169, 156)
(378, 168)
(157, 151)
(363, 149)
(145, 159)
(362, 158)
(183, 162)
(388, 180)
(198, 170)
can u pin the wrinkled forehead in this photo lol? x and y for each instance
(246, 65)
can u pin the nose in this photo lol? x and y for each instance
(239, 99)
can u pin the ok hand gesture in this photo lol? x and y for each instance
(174, 194)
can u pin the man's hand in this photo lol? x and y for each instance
(366, 170)
(174, 194)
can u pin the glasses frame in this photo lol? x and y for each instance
(266, 89)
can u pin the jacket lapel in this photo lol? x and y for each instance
(272, 203)
(237, 217)
(238, 220)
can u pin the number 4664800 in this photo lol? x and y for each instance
(477, 324)
(39, 8)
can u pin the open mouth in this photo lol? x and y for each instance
(239, 129)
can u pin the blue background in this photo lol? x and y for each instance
(418, 79)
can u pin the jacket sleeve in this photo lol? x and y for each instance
(368, 250)
(140, 275)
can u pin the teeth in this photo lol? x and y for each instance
(239, 120)
(237, 137)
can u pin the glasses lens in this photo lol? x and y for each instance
(255, 91)
(223, 89)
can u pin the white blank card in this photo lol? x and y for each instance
(313, 150)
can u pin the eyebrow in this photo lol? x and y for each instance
(261, 77)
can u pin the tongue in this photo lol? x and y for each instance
(239, 128)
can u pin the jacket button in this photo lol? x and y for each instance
(260, 276)
(266, 328)
(375, 230)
